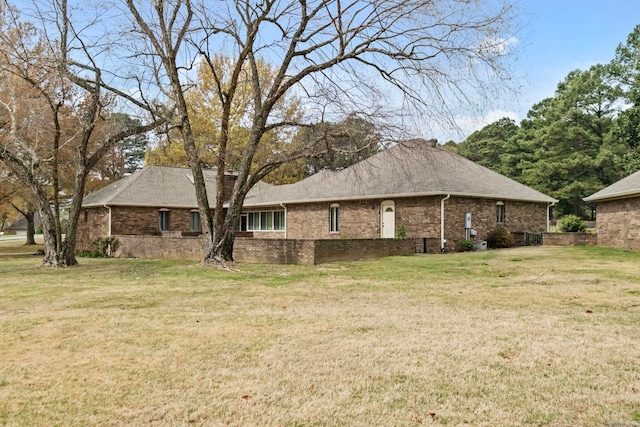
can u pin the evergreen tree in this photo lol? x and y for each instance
(487, 146)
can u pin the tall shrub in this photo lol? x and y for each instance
(500, 237)
(572, 224)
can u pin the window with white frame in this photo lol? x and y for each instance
(262, 221)
(194, 221)
(278, 220)
(334, 218)
(163, 219)
(500, 213)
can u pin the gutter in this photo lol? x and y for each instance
(613, 196)
(442, 241)
(549, 215)
(285, 220)
(292, 201)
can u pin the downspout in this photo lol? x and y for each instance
(442, 241)
(549, 215)
(109, 221)
(285, 220)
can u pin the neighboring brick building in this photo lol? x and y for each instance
(154, 201)
(415, 187)
(414, 190)
(618, 213)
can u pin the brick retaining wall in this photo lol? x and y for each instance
(569, 239)
(268, 251)
(359, 249)
(274, 251)
(184, 247)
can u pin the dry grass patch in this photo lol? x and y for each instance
(529, 336)
(10, 247)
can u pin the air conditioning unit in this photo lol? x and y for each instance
(480, 245)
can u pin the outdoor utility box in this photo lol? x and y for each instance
(467, 220)
(480, 245)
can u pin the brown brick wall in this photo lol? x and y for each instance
(569, 239)
(358, 220)
(230, 179)
(92, 224)
(360, 249)
(186, 248)
(618, 223)
(420, 217)
(271, 251)
(519, 217)
(144, 221)
(127, 220)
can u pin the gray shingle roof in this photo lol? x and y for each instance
(157, 186)
(626, 187)
(411, 168)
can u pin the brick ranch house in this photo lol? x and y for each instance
(415, 189)
(618, 213)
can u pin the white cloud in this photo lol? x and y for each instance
(497, 45)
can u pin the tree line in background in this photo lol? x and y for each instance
(584, 138)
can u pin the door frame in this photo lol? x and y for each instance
(383, 207)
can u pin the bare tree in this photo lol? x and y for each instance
(53, 103)
(415, 55)
(354, 55)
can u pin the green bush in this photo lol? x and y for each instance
(89, 254)
(107, 246)
(402, 232)
(465, 246)
(500, 237)
(572, 224)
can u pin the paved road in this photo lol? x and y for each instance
(12, 237)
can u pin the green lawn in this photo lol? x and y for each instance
(527, 336)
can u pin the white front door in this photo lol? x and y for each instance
(388, 218)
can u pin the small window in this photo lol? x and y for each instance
(163, 220)
(278, 220)
(194, 221)
(334, 218)
(500, 214)
(244, 219)
(254, 221)
(266, 220)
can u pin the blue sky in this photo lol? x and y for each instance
(560, 36)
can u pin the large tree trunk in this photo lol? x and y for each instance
(31, 227)
(51, 249)
(225, 233)
(68, 249)
(226, 245)
(224, 239)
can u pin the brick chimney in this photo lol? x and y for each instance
(230, 178)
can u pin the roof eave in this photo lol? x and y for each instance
(142, 205)
(613, 196)
(398, 196)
